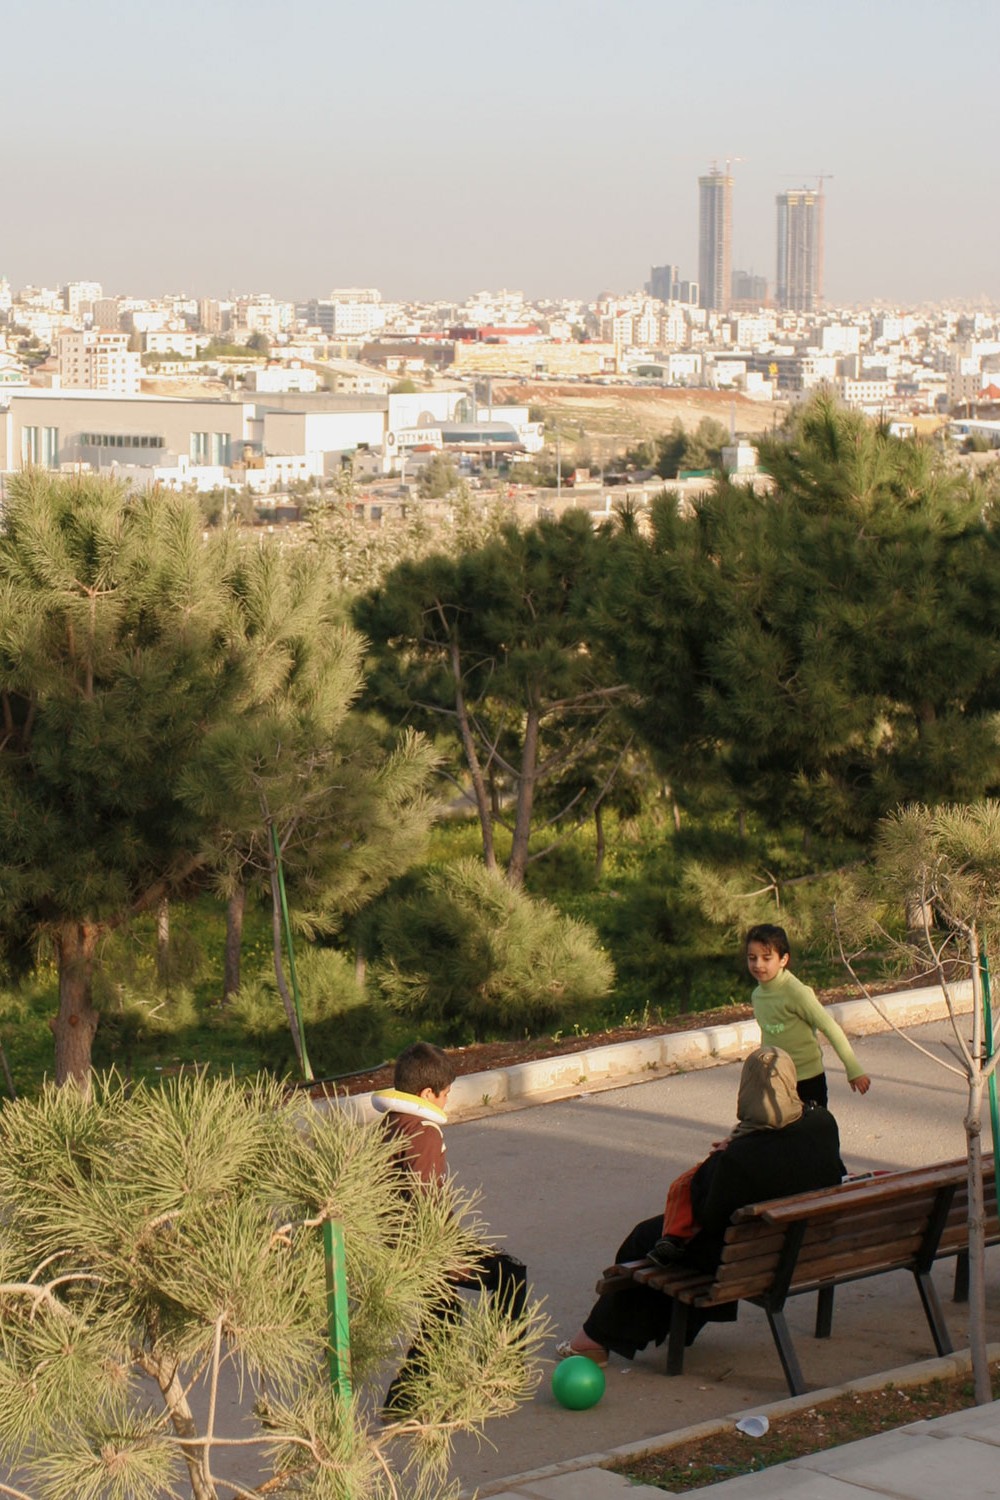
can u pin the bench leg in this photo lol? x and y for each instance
(961, 1291)
(824, 1312)
(677, 1337)
(786, 1351)
(932, 1309)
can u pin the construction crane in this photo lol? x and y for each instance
(820, 177)
(730, 162)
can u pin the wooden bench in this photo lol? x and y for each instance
(815, 1242)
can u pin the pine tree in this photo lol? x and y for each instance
(159, 1246)
(299, 776)
(493, 646)
(836, 639)
(117, 650)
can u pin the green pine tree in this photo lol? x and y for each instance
(117, 652)
(160, 1247)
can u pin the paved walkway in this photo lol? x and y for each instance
(562, 1183)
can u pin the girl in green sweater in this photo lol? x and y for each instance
(789, 1015)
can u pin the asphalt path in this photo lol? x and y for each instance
(563, 1182)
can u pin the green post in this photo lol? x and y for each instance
(307, 1071)
(984, 969)
(336, 1309)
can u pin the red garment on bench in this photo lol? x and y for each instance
(679, 1221)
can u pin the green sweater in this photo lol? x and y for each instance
(789, 1016)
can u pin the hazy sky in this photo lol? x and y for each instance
(432, 148)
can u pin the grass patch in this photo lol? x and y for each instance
(830, 1424)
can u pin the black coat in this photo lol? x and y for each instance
(752, 1168)
(764, 1164)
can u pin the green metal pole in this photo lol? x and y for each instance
(338, 1322)
(307, 1071)
(984, 969)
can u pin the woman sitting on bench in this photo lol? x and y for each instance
(780, 1146)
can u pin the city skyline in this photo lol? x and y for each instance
(435, 152)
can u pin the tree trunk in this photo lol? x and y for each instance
(472, 761)
(164, 1372)
(518, 862)
(977, 1208)
(598, 841)
(977, 1246)
(163, 940)
(76, 1020)
(235, 908)
(279, 969)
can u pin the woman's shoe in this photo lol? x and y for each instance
(566, 1350)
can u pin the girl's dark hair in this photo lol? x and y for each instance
(423, 1066)
(771, 937)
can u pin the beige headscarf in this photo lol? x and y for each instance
(768, 1099)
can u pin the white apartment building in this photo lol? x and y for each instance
(80, 296)
(865, 395)
(40, 322)
(348, 313)
(751, 332)
(98, 360)
(673, 327)
(839, 338)
(262, 314)
(178, 341)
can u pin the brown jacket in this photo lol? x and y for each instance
(421, 1148)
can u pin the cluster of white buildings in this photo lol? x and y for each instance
(85, 378)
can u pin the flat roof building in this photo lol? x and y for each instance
(715, 239)
(799, 281)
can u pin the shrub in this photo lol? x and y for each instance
(343, 1028)
(478, 958)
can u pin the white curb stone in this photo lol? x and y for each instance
(634, 1061)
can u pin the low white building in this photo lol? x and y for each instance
(275, 378)
(280, 470)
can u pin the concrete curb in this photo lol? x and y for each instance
(597, 1068)
(942, 1368)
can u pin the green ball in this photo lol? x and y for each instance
(577, 1382)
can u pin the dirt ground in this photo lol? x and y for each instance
(601, 421)
(846, 1419)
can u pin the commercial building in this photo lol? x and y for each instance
(799, 281)
(715, 239)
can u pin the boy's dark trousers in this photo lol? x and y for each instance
(502, 1275)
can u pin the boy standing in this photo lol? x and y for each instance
(789, 1015)
(413, 1112)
